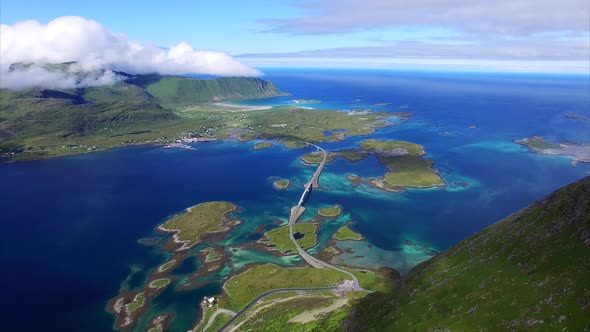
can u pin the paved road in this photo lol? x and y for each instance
(296, 213)
(274, 291)
(219, 311)
(316, 175)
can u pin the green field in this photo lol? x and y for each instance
(345, 233)
(330, 211)
(243, 288)
(204, 218)
(281, 239)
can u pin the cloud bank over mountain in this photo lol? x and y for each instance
(94, 48)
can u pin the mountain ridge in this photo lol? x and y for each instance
(529, 271)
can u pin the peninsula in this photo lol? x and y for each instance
(576, 152)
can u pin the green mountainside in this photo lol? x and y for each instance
(46, 122)
(530, 271)
(175, 91)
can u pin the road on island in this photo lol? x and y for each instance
(298, 210)
(261, 296)
(296, 213)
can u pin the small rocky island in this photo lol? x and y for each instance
(197, 222)
(576, 152)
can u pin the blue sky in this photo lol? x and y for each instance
(504, 30)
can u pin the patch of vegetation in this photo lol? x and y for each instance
(410, 171)
(527, 272)
(204, 218)
(345, 233)
(316, 158)
(159, 283)
(42, 123)
(276, 318)
(330, 211)
(537, 143)
(219, 321)
(166, 266)
(248, 137)
(281, 239)
(384, 146)
(179, 91)
(404, 160)
(305, 125)
(138, 302)
(212, 254)
(352, 154)
(292, 144)
(262, 145)
(282, 184)
(243, 288)
(373, 280)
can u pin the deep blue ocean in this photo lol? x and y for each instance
(71, 225)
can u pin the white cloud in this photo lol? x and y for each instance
(94, 47)
(479, 17)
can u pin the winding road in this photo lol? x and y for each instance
(296, 213)
(261, 296)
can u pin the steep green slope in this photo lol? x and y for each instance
(176, 91)
(42, 122)
(531, 271)
(120, 92)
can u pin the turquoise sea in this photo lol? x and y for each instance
(71, 226)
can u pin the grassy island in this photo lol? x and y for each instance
(345, 233)
(262, 145)
(243, 288)
(208, 217)
(159, 283)
(576, 152)
(352, 154)
(386, 147)
(292, 144)
(537, 143)
(316, 158)
(166, 266)
(331, 211)
(281, 184)
(138, 302)
(280, 238)
(406, 165)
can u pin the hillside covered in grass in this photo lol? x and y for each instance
(141, 108)
(530, 272)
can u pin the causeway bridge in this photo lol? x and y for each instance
(299, 209)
